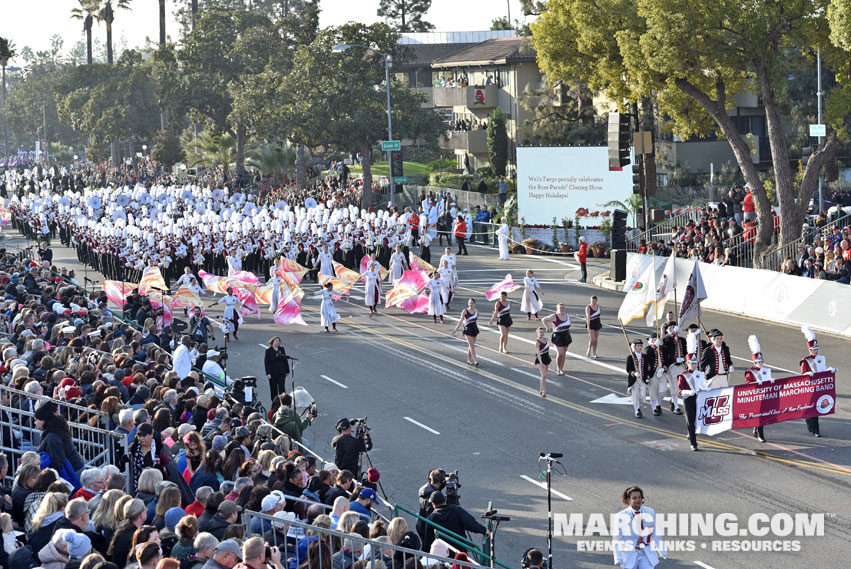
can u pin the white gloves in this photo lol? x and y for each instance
(629, 390)
(732, 369)
(680, 360)
(687, 393)
(809, 373)
(660, 372)
(831, 369)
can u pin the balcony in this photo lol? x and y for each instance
(483, 97)
(472, 141)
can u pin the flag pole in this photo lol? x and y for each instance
(628, 347)
(676, 310)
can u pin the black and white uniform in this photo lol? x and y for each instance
(561, 332)
(504, 315)
(543, 356)
(470, 326)
(594, 319)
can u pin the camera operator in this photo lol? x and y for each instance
(212, 367)
(451, 517)
(291, 424)
(436, 483)
(347, 448)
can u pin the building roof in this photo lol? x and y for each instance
(469, 37)
(423, 55)
(499, 51)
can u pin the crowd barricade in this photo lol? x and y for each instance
(331, 545)
(664, 230)
(768, 295)
(484, 233)
(98, 445)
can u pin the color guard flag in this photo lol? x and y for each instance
(418, 264)
(185, 298)
(695, 292)
(291, 266)
(338, 285)
(342, 273)
(289, 311)
(415, 305)
(117, 291)
(664, 289)
(635, 302)
(151, 279)
(505, 285)
(411, 283)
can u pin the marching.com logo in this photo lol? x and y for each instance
(676, 532)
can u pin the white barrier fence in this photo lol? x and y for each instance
(768, 295)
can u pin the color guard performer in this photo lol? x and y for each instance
(716, 362)
(531, 302)
(542, 358)
(690, 382)
(813, 363)
(560, 321)
(673, 357)
(502, 315)
(435, 297)
(757, 374)
(637, 370)
(469, 318)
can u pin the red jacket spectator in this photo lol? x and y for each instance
(747, 203)
(460, 229)
(582, 254)
(195, 509)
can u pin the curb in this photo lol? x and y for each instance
(603, 281)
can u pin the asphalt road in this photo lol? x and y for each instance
(427, 408)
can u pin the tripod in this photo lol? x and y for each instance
(493, 523)
(550, 458)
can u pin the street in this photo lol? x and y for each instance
(428, 408)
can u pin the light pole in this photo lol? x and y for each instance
(44, 126)
(819, 98)
(388, 62)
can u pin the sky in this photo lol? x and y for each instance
(32, 22)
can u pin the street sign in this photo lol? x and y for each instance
(389, 145)
(818, 130)
(400, 179)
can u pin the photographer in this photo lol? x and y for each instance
(347, 448)
(436, 483)
(289, 422)
(451, 517)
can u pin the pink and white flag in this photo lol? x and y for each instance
(505, 285)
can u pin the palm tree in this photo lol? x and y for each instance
(272, 159)
(107, 15)
(7, 52)
(213, 151)
(87, 11)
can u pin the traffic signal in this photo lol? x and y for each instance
(619, 229)
(619, 140)
(636, 179)
(396, 166)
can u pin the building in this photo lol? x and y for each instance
(465, 76)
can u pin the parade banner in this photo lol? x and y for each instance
(758, 404)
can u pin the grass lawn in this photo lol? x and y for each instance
(383, 169)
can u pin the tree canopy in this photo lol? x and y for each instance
(693, 59)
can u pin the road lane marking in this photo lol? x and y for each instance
(417, 423)
(334, 381)
(544, 486)
(702, 564)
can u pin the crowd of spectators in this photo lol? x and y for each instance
(189, 460)
(822, 254)
(468, 124)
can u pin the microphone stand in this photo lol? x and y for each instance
(493, 524)
(550, 458)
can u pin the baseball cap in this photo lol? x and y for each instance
(269, 502)
(229, 508)
(229, 546)
(368, 493)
